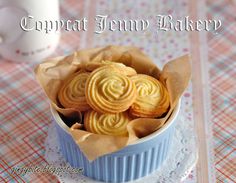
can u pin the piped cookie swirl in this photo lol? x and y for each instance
(72, 92)
(152, 97)
(106, 124)
(109, 91)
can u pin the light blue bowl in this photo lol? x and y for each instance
(132, 162)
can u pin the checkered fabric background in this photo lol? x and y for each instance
(24, 111)
(222, 71)
(23, 123)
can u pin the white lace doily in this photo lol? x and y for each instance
(182, 158)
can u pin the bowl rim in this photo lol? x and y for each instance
(167, 124)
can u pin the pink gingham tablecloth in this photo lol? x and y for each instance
(222, 74)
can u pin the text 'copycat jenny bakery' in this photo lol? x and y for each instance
(103, 23)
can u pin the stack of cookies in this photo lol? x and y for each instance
(111, 94)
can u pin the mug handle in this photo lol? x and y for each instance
(10, 30)
(1, 39)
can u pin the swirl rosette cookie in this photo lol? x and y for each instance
(109, 91)
(152, 97)
(72, 92)
(106, 124)
(129, 71)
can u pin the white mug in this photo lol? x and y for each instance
(18, 44)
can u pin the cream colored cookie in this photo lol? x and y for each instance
(129, 71)
(152, 97)
(72, 92)
(109, 91)
(106, 124)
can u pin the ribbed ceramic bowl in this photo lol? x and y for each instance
(132, 162)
